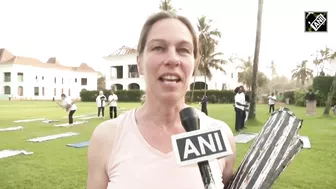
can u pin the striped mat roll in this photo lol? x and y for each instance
(271, 152)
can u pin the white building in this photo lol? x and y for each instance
(123, 74)
(31, 79)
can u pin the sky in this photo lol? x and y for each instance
(84, 31)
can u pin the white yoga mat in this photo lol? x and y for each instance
(245, 137)
(67, 124)
(11, 128)
(10, 153)
(306, 141)
(52, 137)
(29, 120)
(50, 121)
(86, 118)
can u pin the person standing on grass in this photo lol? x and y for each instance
(69, 106)
(247, 100)
(134, 150)
(240, 106)
(271, 102)
(310, 103)
(113, 98)
(204, 105)
(100, 101)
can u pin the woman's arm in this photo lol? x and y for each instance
(99, 151)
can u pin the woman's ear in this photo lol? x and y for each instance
(139, 64)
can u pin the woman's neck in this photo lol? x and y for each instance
(161, 114)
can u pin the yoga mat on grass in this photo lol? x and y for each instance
(86, 118)
(306, 142)
(245, 137)
(11, 128)
(52, 137)
(79, 145)
(50, 121)
(10, 153)
(74, 123)
(29, 120)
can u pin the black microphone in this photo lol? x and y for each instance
(191, 122)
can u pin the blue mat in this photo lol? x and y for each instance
(79, 145)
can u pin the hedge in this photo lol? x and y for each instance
(214, 96)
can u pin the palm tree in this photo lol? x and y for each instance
(208, 39)
(302, 73)
(166, 5)
(252, 113)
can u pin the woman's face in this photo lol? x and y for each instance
(167, 62)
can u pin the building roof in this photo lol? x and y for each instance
(7, 57)
(124, 50)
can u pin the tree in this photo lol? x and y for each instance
(321, 57)
(166, 5)
(252, 114)
(328, 55)
(245, 75)
(101, 84)
(302, 73)
(208, 40)
(273, 70)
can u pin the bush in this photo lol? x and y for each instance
(290, 95)
(300, 97)
(321, 85)
(214, 96)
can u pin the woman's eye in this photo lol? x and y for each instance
(184, 50)
(157, 48)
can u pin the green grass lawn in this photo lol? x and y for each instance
(56, 166)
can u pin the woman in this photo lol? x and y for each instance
(135, 150)
(100, 101)
(69, 106)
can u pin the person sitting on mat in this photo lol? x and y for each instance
(69, 106)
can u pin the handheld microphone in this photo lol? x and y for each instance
(191, 122)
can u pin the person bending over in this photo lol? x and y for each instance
(69, 106)
(135, 149)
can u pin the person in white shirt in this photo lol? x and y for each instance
(100, 101)
(113, 98)
(69, 106)
(271, 102)
(240, 106)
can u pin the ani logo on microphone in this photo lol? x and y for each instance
(200, 145)
(316, 21)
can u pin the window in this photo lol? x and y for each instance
(62, 92)
(36, 78)
(62, 81)
(42, 77)
(224, 87)
(36, 91)
(42, 91)
(75, 80)
(7, 76)
(7, 90)
(231, 75)
(84, 81)
(55, 92)
(20, 91)
(69, 92)
(20, 77)
(55, 80)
